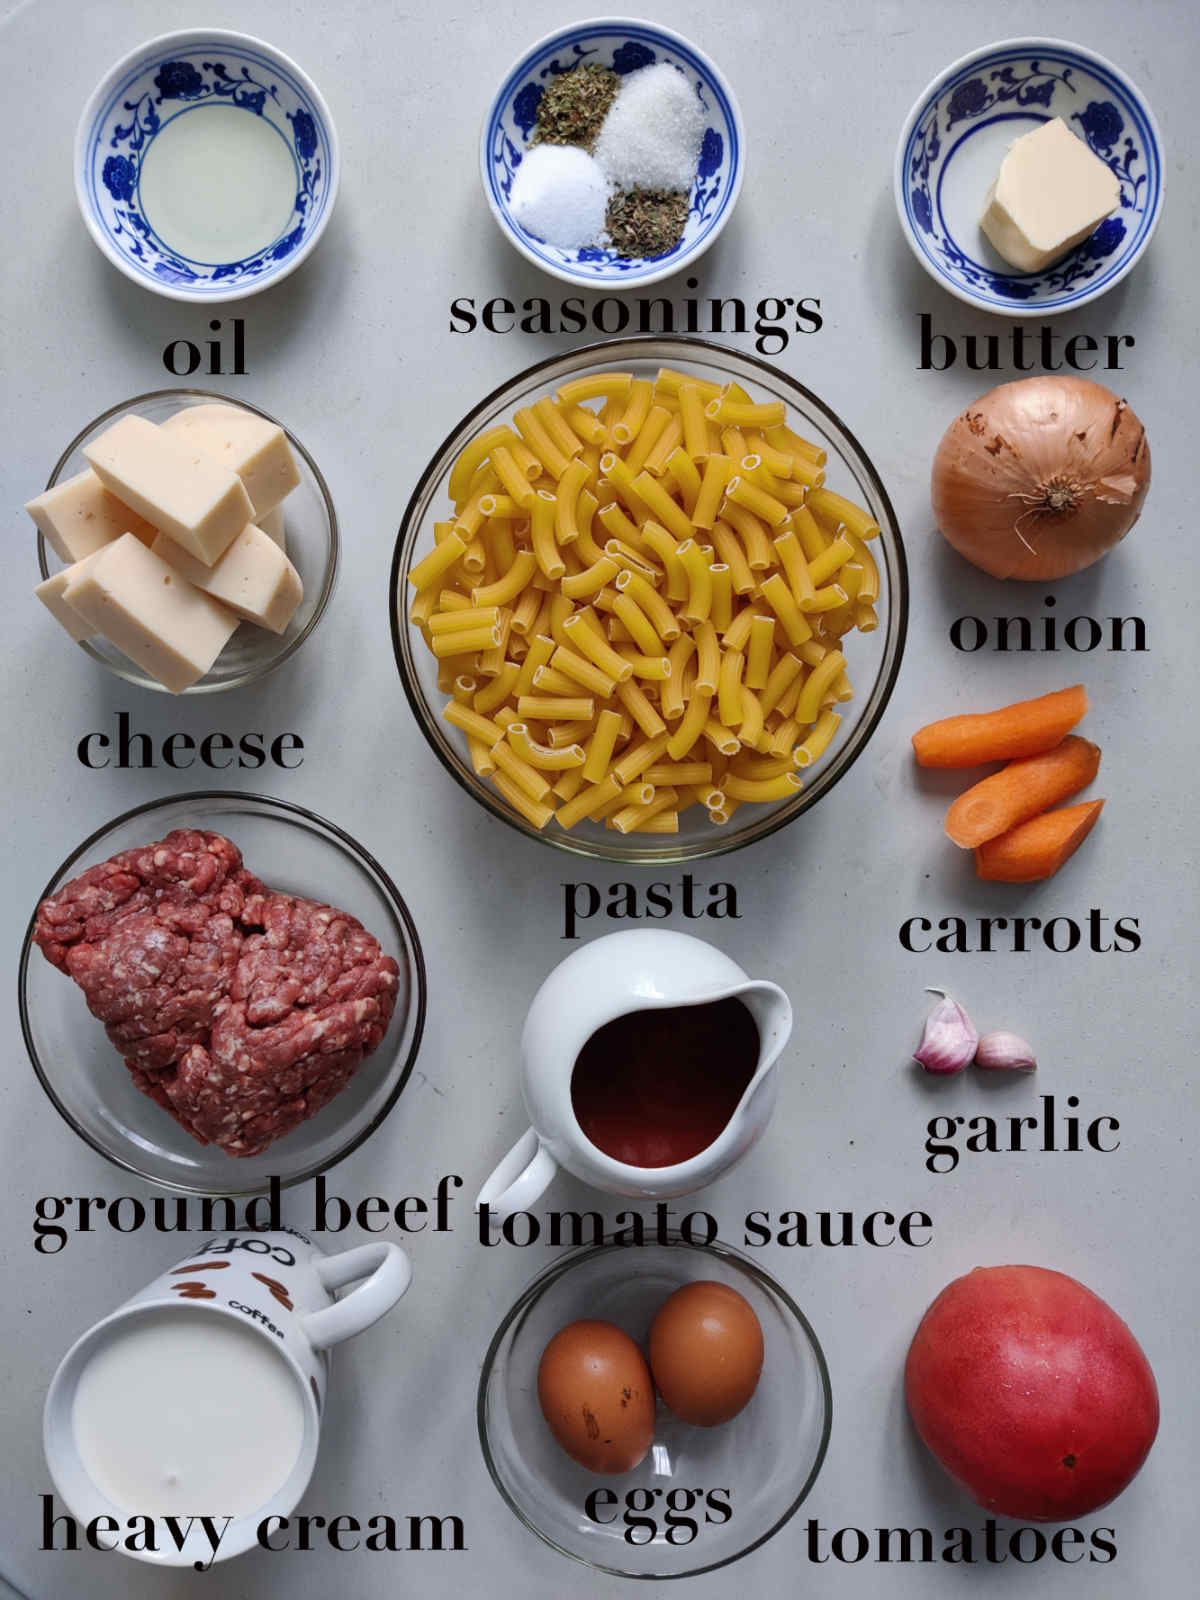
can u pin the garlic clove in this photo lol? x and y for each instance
(1005, 1052)
(949, 1041)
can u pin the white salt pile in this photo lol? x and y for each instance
(653, 131)
(560, 195)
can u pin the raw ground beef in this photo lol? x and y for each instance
(240, 1010)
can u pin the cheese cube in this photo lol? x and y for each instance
(257, 450)
(272, 526)
(253, 577)
(178, 488)
(52, 594)
(146, 609)
(79, 516)
(1050, 194)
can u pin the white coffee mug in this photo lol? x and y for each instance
(253, 1315)
(640, 969)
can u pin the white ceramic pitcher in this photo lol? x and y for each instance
(640, 970)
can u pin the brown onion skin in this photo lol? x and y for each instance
(996, 460)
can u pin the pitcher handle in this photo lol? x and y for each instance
(388, 1273)
(525, 1173)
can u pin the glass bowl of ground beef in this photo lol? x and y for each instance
(242, 1001)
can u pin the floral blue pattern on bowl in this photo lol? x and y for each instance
(952, 146)
(140, 96)
(623, 45)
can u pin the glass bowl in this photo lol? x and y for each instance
(766, 1459)
(312, 546)
(293, 850)
(873, 658)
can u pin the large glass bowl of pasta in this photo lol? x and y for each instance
(648, 601)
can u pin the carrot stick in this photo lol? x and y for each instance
(1036, 849)
(1025, 729)
(1021, 790)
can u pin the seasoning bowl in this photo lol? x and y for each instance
(956, 136)
(311, 531)
(186, 73)
(624, 44)
(766, 1458)
(292, 850)
(873, 658)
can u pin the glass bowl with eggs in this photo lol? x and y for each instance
(654, 1417)
(648, 600)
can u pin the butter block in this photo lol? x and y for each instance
(253, 577)
(161, 622)
(175, 486)
(272, 525)
(78, 516)
(52, 594)
(252, 447)
(1051, 192)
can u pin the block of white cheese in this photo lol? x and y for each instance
(79, 515)
(52, 594)
(175, 486)
(161, 622)
(272, 526)
(257, 450)
(253, 577)
(1050, 194)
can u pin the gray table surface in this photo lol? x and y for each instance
(355, 351)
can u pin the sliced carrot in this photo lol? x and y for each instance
(1025, 729)
(1021, 790)
(1036, 849)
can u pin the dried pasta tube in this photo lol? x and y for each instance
(466, 641)
(795, 566)
(717, 472)
(724, 741)
(601, 746)
(834, 556)
(865, 619)
(650, 433)
(532, 810)
(472, 617)
(596, 649)
(650, 601)
(760, 789)
(588, 801)
(552, 680)
(868, 589)
(639, 625)
(536, 439)
(438, 562)
(635, 701)
(782, 602)
(481, 757)
(783, 740)
(729, 688)
(631, 421)
(667, 442)
(680, 743)
(508, 587)
(630, 818)
(737, 634)
(808, 531)
(541, 648)
(783, 438)
(695, 427)
(619, 476)
(740, 491)
(540, 755)
(573, 480)
(557, 426)
(579, 670)
(830, 598)
(661, 507)
(835, 511)
(464, 689)
(556, 708)
(545, 549)
(699, 601)
(669, 381)
(729, 548)
(528, 779)
(708, 657)
(502, 686)
(525, 612)
(568, 784)
(634, 761)
(664, 822)
(561, 734)
(818, 741)
(591, 579)
(584, 423)
(665, 547)
(473, 723)
(682, 473)
(808, 706)
(595, 386)
(473, 456)
(722, 595)
(760, 555)
(752, 717)
(759, 652)
(783, 673)
(620, 526)
(744, 413)
(657, 668)
(670, 699)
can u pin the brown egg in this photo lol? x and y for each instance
(706, 1352)
(597, 1394)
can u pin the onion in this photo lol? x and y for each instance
(1040, 478)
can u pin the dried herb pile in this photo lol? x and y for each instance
(574, 107)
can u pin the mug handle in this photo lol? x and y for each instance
(390, 1273)
(525, 1173)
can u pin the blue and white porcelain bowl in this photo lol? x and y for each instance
(624, 44)
(184, 72)
(953, 143)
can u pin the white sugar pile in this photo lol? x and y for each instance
(652, 134)
(560, 195)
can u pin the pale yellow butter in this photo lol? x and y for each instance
(79, 516)
(1050, 194)
(175, 486)
(52, 594)
(161, 622)
(253, 577)
(257, 450)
